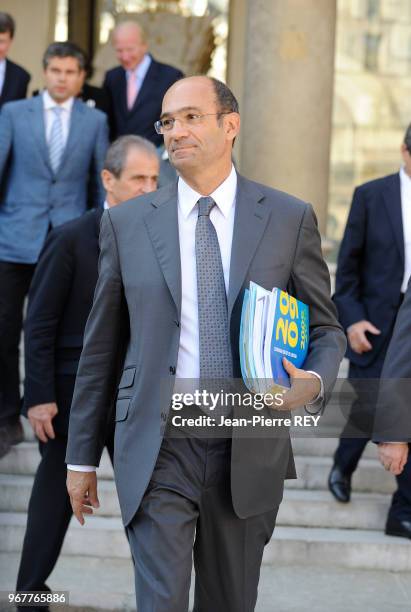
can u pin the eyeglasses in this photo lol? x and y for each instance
(188, 120)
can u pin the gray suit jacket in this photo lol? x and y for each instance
(134, 324)
(34, 197)
(393, 417)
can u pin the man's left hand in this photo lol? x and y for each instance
(305, 387)
(393, 456)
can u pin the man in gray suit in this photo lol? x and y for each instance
(393, 417)
(51, 146)
(167, 306)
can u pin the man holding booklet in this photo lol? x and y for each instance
(167, 308)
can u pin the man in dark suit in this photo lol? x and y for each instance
(167, 307)
(51, 148)
(374, 266)
(14, 79)
(136, 88)
(60, 300)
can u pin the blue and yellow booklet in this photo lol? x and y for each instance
(274, 325)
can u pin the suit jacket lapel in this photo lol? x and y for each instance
(37, 127)
(251, 217)
(392, 201)
(121, 91)
(162, 227)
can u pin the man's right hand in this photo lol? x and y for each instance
(82, 489)
(356, 336)
(40, 418)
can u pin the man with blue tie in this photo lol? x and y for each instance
(51, 148)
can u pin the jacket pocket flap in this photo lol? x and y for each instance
(122, 409)
(127, 378)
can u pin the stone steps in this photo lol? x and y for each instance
(103, 537)
(369, 477)
(325, 447)
(300, 507)
(347, 548)
(312, 470)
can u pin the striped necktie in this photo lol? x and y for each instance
(56, 144)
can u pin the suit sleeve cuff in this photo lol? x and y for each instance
(81, 468)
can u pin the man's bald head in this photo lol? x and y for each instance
(224, 99)
(130, 44)
(199, 122)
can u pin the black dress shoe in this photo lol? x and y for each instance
(401, 529)
(339, 485)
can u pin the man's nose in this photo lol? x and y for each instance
(179, 129)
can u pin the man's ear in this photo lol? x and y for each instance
(107, 178)
(232, 125)
(405, 154)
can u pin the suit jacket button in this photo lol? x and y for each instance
(172, 370)
(177, 323)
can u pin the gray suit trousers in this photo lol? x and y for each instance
(187, 511)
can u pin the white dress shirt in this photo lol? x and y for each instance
(49, 116)
(140, 71)
(222, 217)
(2, 74)
(405, 182)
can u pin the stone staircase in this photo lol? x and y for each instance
(312, 529)
(311, 526)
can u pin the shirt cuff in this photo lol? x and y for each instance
(81, 468)
(317, 401)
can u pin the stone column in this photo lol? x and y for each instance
(287, 95)
(82, 17)
(35, 30)
(236, 58)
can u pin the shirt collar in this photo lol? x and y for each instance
(404, 178)
(2, 66)
(106, 205)
(141, 69)
(224, 195)
(49, 103)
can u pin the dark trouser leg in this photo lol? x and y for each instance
(189, 496)
(361, 418)
(228, 553)
(49, 515)
(401, 500)
(161, 535)
(14, 284)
